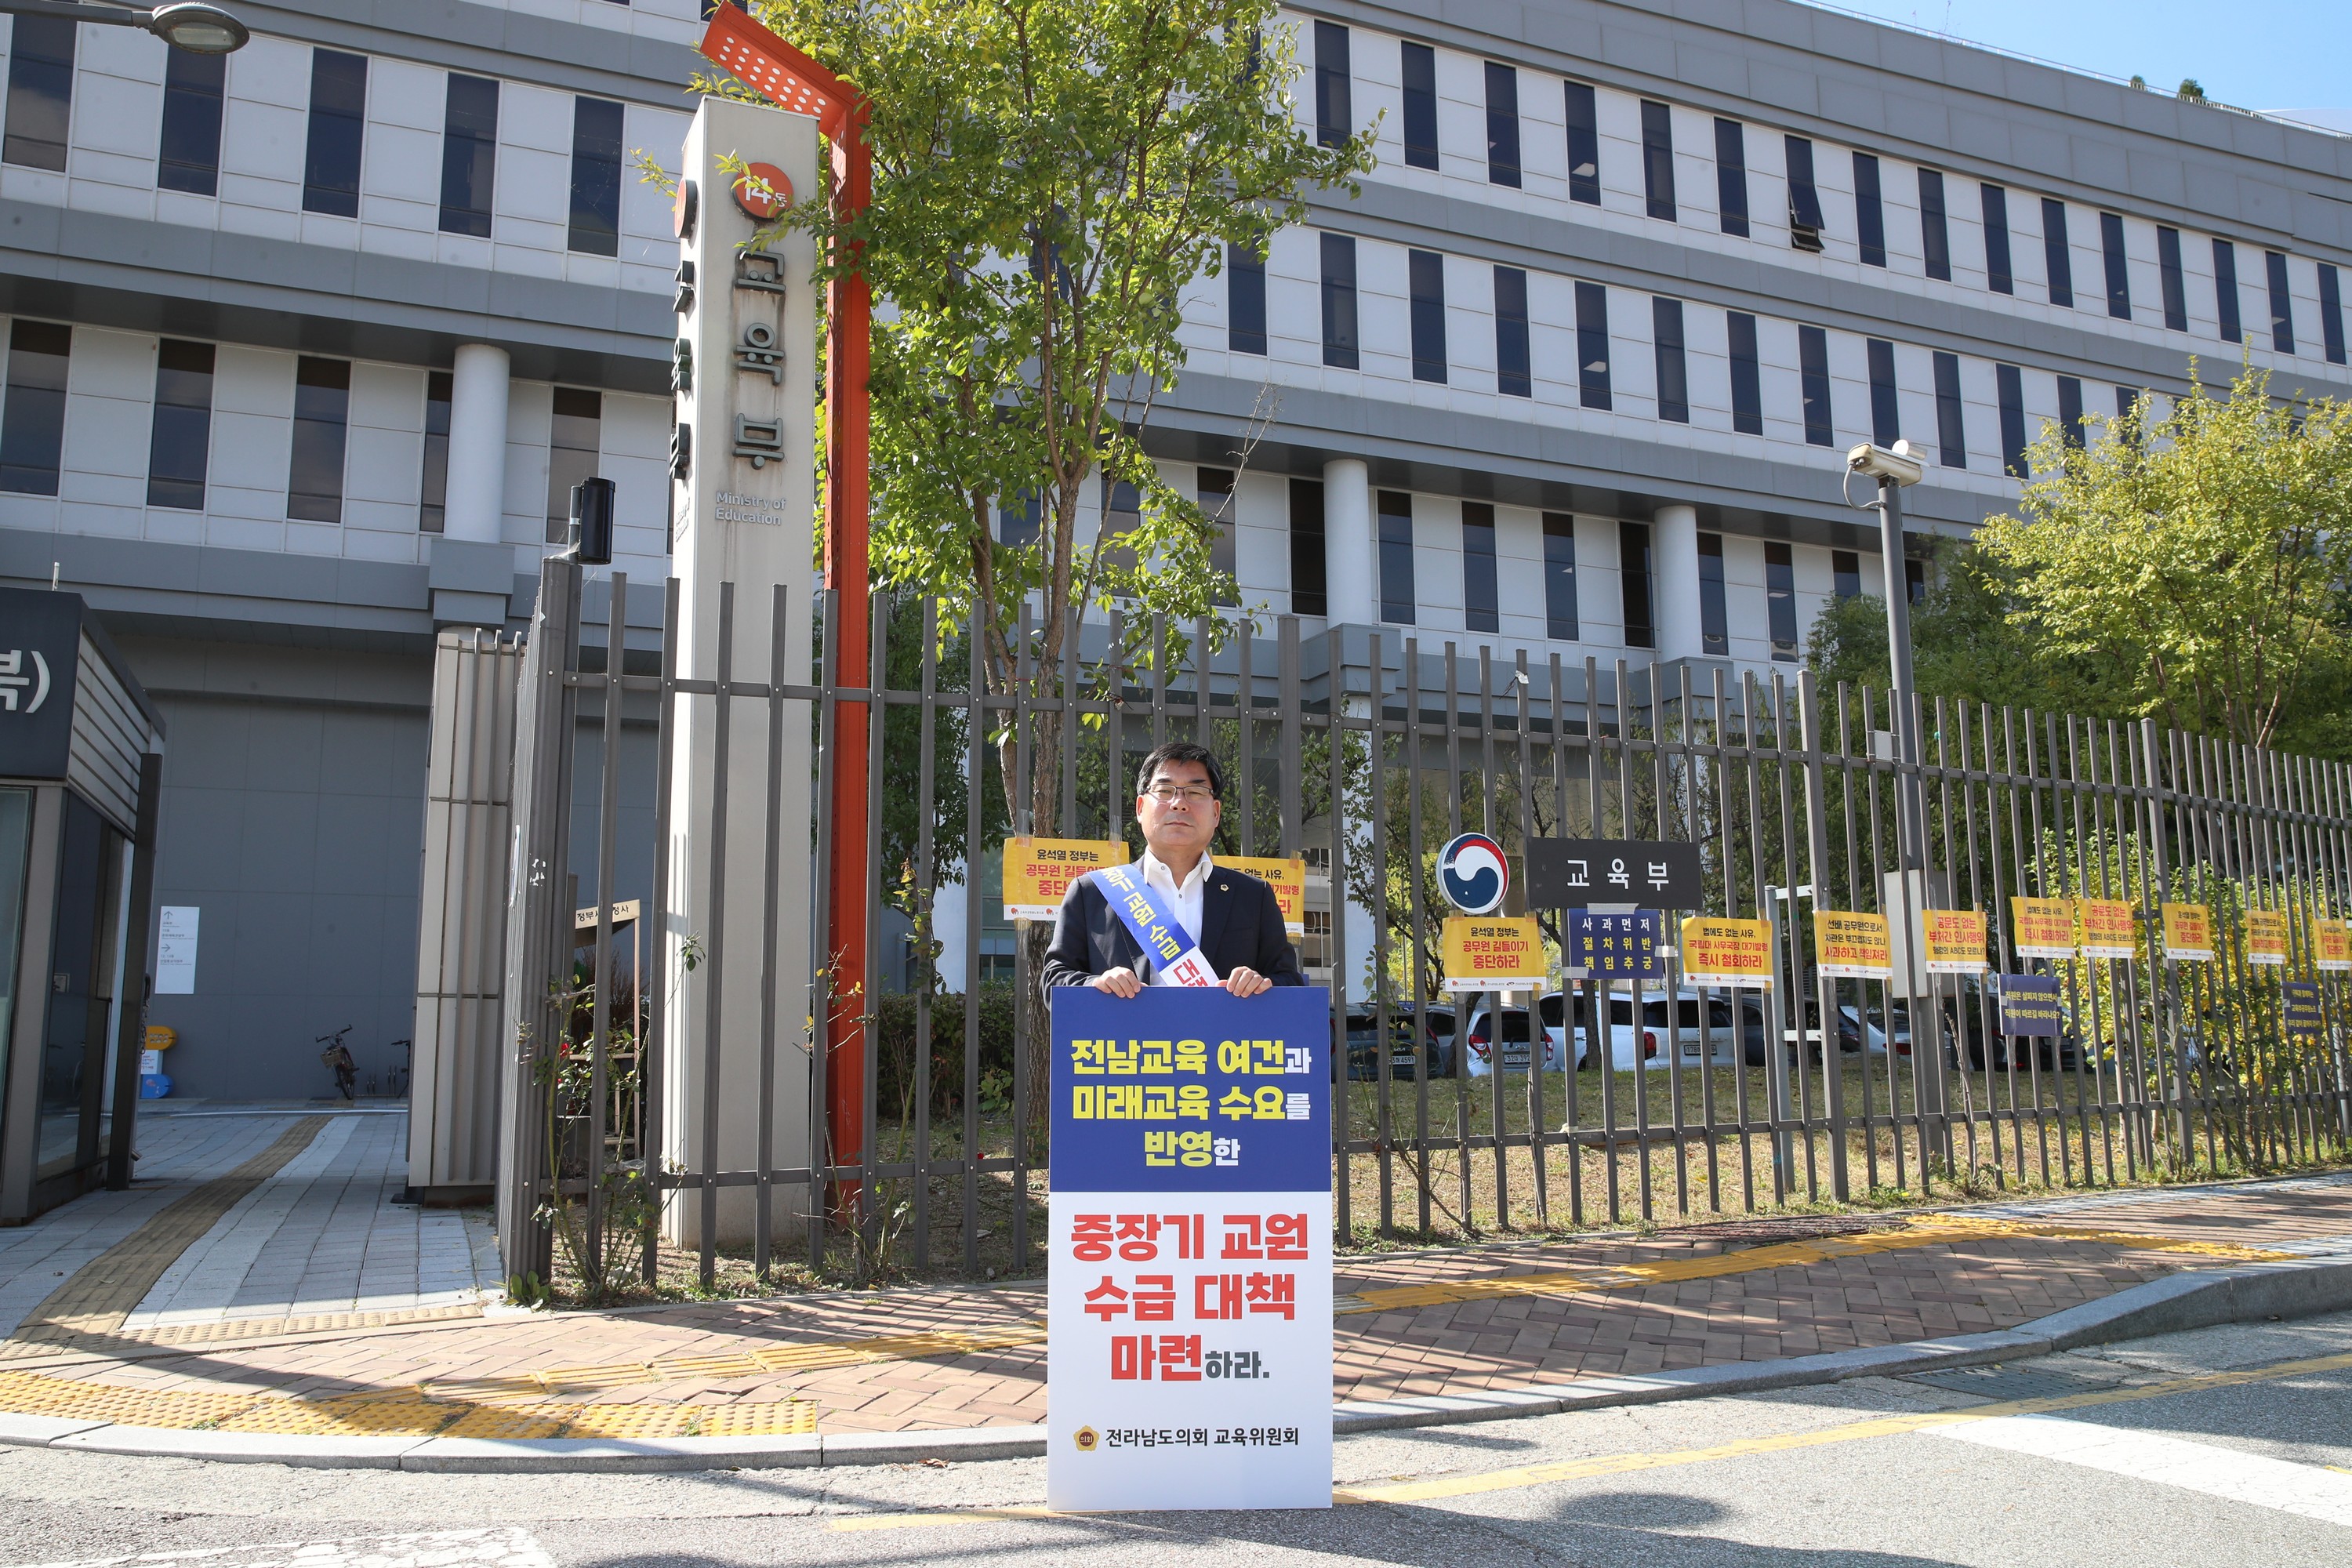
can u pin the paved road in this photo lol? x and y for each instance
(2218, 1447)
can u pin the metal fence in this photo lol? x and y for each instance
(1362, 751)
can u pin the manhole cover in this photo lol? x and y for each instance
(2010, 1383)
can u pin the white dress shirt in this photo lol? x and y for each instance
(1185, 901)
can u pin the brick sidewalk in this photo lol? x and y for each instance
(1462, 1322)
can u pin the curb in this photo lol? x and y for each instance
(2194, 1299)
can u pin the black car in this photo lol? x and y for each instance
(1364, 1043)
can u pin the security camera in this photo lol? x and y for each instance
(1899, 464)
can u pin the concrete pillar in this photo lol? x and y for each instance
(1674, 582)
(1351, 549)
(478, 445)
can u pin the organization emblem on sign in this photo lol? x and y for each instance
(1473, 874)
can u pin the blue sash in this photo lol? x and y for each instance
(1145, 911)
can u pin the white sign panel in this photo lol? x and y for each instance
(176, 952)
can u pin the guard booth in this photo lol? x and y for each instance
(80, 774)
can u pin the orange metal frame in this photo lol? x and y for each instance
(793, 82)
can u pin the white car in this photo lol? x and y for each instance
(1629, 1046)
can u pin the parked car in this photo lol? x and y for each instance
(1435, 1036)
(1629, 1045)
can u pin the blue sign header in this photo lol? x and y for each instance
(2029, 1005)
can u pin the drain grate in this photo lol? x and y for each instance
(2011, 1381)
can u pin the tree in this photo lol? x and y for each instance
(1049, 176)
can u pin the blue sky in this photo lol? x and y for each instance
(2256, 54)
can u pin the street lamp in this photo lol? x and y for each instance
(199, 29)
(1895, 469)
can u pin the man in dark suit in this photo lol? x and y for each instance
(1235, 917)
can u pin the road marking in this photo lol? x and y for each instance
(2310, 1490)
(505, 1547)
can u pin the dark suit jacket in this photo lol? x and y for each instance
(1241, 924)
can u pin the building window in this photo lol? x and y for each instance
(1935, 228)
(2282, 303)
(1122, 507)
(1583, 146)
(331, 163)
(1869, 211)
(1214, 489)
(2057, 254)
(1419, 106)
(1559, 576)
(1307, 579)
(2127, 429)
(189, 157)
(1732, 175)
(1514, 365)
(180, 439)
(1845, 573)
(2331, 314)
(1502, 125)
(596, 138)
(322, 407)
(1714, 620)
(1633, 584)
(2111, 242)
(1018, 523)
(40, 95)
(1338, 300)
(1244, 300)
(2013, 421)
(1805, 225)
(1814, 376)
(1885, 408)
(1593, 345)
(2168, 274)
(572, 441)
(432, 513)
(2070, 409)
(2225, 289)
(1951, 430)
(33, 420)
(1998, 278)
(1478, 600)
(1396, 557)
(470, 151)
(1747, 377)
(1426, 274)
(1781, 599)
(1335, 116)
(1915, 581)
(1658, 159)
(1673, 377)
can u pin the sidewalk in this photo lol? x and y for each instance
(284, 1349)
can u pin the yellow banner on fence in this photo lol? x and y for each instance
(2333, 940)
(1726, 952)
(1286, 878)
(2265, 936)
(1853, 945)
(1039, 871)
(2104, 927)
(1952, 942)
(2042, 928)
(1485, 952)
(2188, 933)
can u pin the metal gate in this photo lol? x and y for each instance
(1361, 751)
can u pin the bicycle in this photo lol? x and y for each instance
(338, 1055)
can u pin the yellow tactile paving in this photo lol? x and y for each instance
(232, 1331)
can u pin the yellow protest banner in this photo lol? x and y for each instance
(2188, 934)
(2265, 936)
(2333, 940)
(1852, 945)
(1486, 952)
(1039, 871)
(2103, 927)
(1952, 941)
(2042, 928)
(1286, 878)
(1726, 952)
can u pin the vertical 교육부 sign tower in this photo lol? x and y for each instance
(742, 469)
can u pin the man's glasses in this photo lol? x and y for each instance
(1191, 795)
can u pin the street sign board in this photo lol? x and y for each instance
(1572, 873)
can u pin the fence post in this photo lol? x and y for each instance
(536, 910)
(1817, 851)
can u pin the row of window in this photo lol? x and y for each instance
(40, 104)
(32, 431)
(1514, 372)
(1808, 226)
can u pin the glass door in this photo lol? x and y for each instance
(82, 991)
